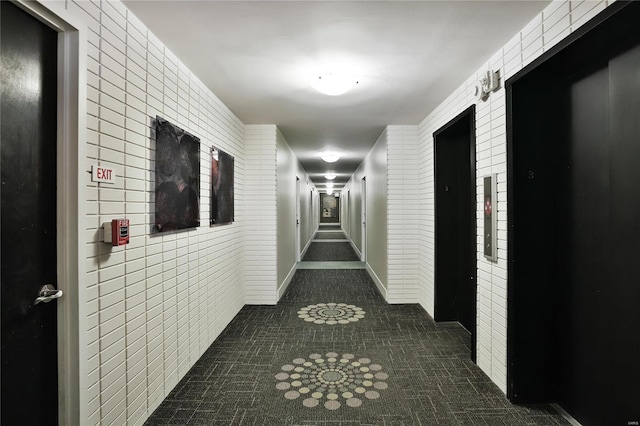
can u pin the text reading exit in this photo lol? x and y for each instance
(102, 173)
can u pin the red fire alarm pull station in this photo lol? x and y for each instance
(116, 232)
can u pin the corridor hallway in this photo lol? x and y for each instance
(333, 352)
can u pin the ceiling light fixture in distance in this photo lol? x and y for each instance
(330, 157)
(329, 176)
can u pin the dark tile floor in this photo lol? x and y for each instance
(329, 235)
(330, 227)
(325, 251)
(332, 352)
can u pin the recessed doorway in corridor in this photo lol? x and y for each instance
(455, 206)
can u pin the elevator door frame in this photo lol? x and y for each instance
(442, 312)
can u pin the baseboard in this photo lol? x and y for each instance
(283, 287)
(381, 288)
(567, 416)
(353, 246)
(289, 277)
(306, 247)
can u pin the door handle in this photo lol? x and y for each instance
(47, 294)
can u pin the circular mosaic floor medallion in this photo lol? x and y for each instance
(331, 380)
(331, 313)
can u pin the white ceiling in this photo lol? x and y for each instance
(258, 57)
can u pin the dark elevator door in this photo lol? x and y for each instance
(455, 189)
(598, 243)
(28, 101)
(573, 131)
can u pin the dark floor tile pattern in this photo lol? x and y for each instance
(330, 252)
(331, 313)
(431, 378)
(330, 227)
(329, 235)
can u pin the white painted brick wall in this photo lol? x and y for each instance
(557, 21)
(403, 214)
(155, 305)
(261, 212)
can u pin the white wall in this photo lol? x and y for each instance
(155, 305)
(391, 169)
(308, 196)
(374, 168)
(288, 169)
(558, 20)
(403, 214)
(270, 232)
(351, 209)
(261, 214)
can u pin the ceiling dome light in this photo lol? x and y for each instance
(329, 177)
(330, 157)
(333, 84)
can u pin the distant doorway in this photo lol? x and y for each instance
(329, 209)
(348, 210)
(364, 219)
(455, 205)
(298, 245)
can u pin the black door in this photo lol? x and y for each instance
(574, 237)
(455, 251)
(624, 95)
(598, 244)
(28, 132)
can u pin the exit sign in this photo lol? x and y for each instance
(103, 173)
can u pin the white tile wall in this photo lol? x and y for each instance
(261, 213)
(403, 214)
(156, 304)
(558, 20)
